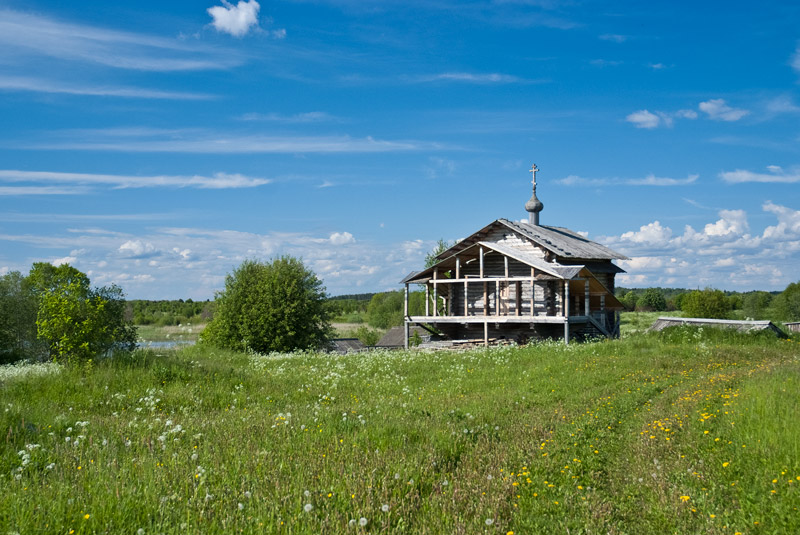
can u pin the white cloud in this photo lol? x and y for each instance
(474, 78)
(613, 37)
(782, 104)
(24, 34)
(16, 191)
(649, 180)
(651, 234)
(796, 60)
(776, 175)
(64, 260)
(193, 142)
(718, 110)
(732, 222)
(341, 238)
(644, 119)
(137, 249)
(639, 263)
(236, 20)
(216, 181)
(41, 85)
(307, 117)
(657, 66)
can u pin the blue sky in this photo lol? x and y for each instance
(157, 145)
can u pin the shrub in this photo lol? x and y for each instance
(708, 303)
(651, 299)
(274, 306)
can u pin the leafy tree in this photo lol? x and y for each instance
(708, 303)
(629, 300)
(756, 304)
(441, 246)
(651, 299)
(787, 303)
(17, 319)
(386, 310)
(76, 321)
(273, 306)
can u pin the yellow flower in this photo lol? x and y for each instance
(685, 498)
(725, 464)
(86, 516)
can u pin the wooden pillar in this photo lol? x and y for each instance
(533, 292)
(458, 268)
(427, 299)
(480, 259)
(586, 299)
(436, 292)
(486, 334)
(603, 311)
(466, 298)
(405, 302)
(505, 259)
(566, 312)
(407, 324)
(485, 298)
(518, 296)
(497, 298)
(405, 318)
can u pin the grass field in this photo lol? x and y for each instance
(682, 432)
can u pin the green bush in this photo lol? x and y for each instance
(708, 303)
(787, 303)
(274, 306)
(651, 299)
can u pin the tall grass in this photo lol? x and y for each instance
(687, 432)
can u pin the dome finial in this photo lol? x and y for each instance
(534, 205)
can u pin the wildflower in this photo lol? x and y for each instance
(308, 507)
(725, 464)
(685, 498)
(86, 516)
(241, 506)
(306, 493)
(385, 508)
(489, 522)
(140, 531)
(247, 494)
(362, 521)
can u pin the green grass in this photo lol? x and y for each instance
(689, 431)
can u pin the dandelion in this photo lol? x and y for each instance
(140, 531)
(397, 476)
(247, 494)
(685, 498)
(385, 508)
(352, 522)
(308, 507)
(240, 505)
(86, 516)
(724, 465)
(489, 521)
(362, 521)
(306, 493)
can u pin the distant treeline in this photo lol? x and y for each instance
(757, 305)
(173, 312)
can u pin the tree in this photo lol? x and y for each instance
(629, 300)
(651, 299)
(272, 306)
(76, 321)
(708, 303)
(386, 310)
(18, 337)
(756, 304)
(787, 303)
(441, 246)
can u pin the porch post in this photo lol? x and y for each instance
(566, 312)
(436, 292)
(486, 334)
(603, 311)
(405, 318)
(427, 299)
(585, 298)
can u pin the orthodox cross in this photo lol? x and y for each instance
(533, 172)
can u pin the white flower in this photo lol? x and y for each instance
(140, 531)
(385, 508)
(489, 521)
(362, 521)
(247, 494)
(306, 493)
(308, 507)
(241, 506)
(352, 522)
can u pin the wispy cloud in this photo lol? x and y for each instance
(217, 181)
(307, 117)
(23, 34)
(795, 62)
(613, 37)
(649, 180)
(718, 110)
(467, 77)
(776, 175)
(649, 120)
(236, 20)
(39, 85)
(196, 142)
(18, 191)
(605, 63)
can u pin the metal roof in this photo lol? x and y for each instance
(563, 242)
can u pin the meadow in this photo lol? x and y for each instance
(686, 431)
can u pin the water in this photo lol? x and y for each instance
(169, 344)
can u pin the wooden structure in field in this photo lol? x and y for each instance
(520, 281)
